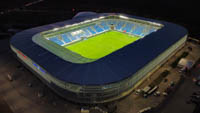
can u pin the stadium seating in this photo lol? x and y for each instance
(128, 27)
(91, 31)
(152, 30)
(86, 32)
(112, 22)
(98, 29)
(103, 26)
(138, 30)
(119, 25)
(71, 37)
(80, 35)
(65, 38)
(56, 40)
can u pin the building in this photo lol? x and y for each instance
(185, 63)
(107, 68)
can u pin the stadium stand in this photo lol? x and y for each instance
(86, 32)
(128, 27)
(119, 25)
(151, 30)
(71, 37)
(138, 30)
(98, 29)
(112, 22)
(65, 38)
(103, 26)
(91, 31)
(56, 40)
(84, 80)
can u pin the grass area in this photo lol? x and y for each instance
(101, 45)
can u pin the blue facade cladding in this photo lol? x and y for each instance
(117, 66)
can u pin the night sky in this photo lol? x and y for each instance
(182, 12)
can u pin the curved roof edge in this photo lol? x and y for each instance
(108, 69)
(84, 14)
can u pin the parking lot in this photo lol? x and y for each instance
(133, 103)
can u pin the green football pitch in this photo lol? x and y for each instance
(101, 45)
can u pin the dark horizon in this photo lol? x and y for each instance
(184, 13)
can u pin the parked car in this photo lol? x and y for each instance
(196, 93)
(138, 91)
(157, 93)
(195, 96)
(152, 90)
(183, 69)
(172, 83)
(10, 78)
(197, 82)
(145, 91)
(195, 101)
(145, 110)
(85, 110)
(165, 94)
(169, 89)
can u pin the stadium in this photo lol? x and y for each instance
(97, 57)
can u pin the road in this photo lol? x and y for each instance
(177, 103)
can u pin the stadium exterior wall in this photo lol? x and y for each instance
(107, 92)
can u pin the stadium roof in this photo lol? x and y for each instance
(112, 68)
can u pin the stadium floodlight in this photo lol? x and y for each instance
(76, 32)
(124, 17)
(55, 29)
(75, 24)
(101, 17)
(94, 19)
(156, 24)
(82, 22)
(67, 26)
(87, 21)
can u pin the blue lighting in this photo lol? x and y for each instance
(42, 70)
(36, 65)
(39, 68)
